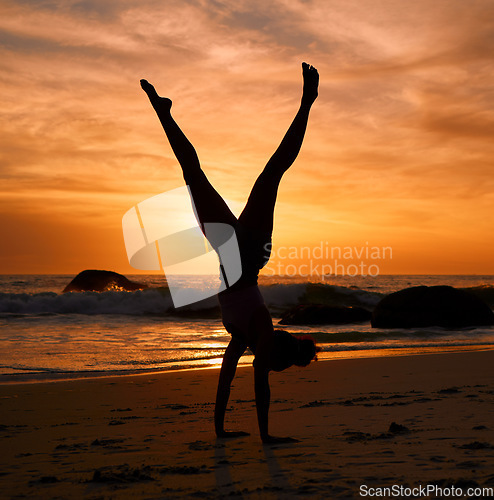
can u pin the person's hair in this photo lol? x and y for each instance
(289, 350)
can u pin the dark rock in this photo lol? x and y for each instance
(186, 470)
(92, 280)
(352, 436)
(106, 442)
(449, 390)
(48, 479)
(476, 445)
(44, 480)
(122, 474)
(316, 314)
(395, 428)
(424, 306)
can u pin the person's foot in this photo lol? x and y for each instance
(160, 104)
(311, 83)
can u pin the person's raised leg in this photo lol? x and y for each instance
(209, 205)
(259, 210)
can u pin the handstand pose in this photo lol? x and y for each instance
(244, 313)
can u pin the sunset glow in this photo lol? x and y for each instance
(398, 152)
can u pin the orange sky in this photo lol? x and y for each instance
(399, 150)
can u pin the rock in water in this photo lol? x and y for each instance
(92, 280)
(423, 306)
(316, 314)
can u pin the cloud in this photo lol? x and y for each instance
(402, 128)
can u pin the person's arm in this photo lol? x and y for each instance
(262, 391)
(232, 354)
(263, 324)
(263, 394)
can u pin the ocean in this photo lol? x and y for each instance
(46, 335)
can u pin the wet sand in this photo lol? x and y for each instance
(410, 421)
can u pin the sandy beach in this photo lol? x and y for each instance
(151, 436)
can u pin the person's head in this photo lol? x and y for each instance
(290, 350)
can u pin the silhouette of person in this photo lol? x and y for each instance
(244, 314)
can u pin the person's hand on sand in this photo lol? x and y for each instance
(279, 440)
(231, 434)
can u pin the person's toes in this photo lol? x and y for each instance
(148, 88)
